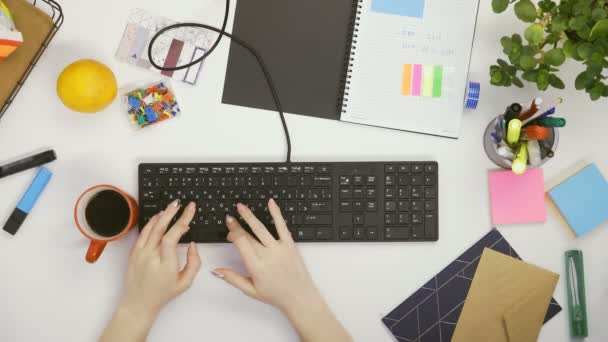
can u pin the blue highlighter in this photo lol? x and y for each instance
(27, 201)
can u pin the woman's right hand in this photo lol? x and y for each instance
(278, 276)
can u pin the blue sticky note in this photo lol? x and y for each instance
(582, 200)
(404, 8)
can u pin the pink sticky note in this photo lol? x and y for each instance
(517, 198)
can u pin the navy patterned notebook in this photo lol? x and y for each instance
(431, 313)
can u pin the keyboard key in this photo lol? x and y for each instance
(256, 169)
(150, 195)
(358, 206)
(303, 207)
(403, 218)
(430, 205)
(404, 168)
(148, 170)
(430, 193)
(358, 193)
(390, 168)
(323, 169)
(416, 219)
(325, 233)
(358, 180)
(403, 179)
(389, 180)
(416, 192)
(403, 192)
(416, 205)
(372, 233)
(345, 180)
(346, 233)
(396, 233)
(346, 206)
(358, 219)
(296, 169)
(416, 179)
(430, 168)
(370, 193)
(430, 225)
(359, 233)
(151, 207)
(292, 180)
(417, 168)
(390, 219)
(282, 169)
(390, 206)
(305, 234)
(321, 206)
(305, 181)
(309, 169)
(390, 192)
(371, 206)
(163, 171)
(322, 181)
(418, 233)
(346, 193)
(403, 205)
(430, 180)
(371, 180)
(317, 219)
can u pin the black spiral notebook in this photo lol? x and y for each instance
(400, 64)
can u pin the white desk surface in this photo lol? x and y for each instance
(48, 292)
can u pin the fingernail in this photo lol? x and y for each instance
(272, 202)
(192, 205)
(240, 206)
(174, 204)
(229, 219)
(217, 274)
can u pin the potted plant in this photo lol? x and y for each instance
(576, 29)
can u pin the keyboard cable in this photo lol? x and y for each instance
(222, 32)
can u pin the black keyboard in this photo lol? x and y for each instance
(358, 201)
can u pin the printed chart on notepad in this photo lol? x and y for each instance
(173, 48)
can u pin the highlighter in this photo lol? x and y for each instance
(514, 131)
(537, 132)
(521, 159)
(28, 201)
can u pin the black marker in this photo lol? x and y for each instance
(27, 163)
(512, 112)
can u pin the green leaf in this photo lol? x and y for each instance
(599, 30)
(542, 85)
(584, 50)
(511, 70)
(596, 57)
(525, 11)
(507, 45)
(517, 82)
(569, 48)
(599, 13)
(507, 82)
(516, 39)
(594, 69)
(555, 57)
(577, 23)
(584, 32)
(530, 75)
(594, 94)
(559, 24)
(496, 78)
(534, 34)
(556, 82)
(499, 6)
(527, 62)
(502, 63)
(543, 76)
(583, 80)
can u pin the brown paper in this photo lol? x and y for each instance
(507, 301)
(34, 25)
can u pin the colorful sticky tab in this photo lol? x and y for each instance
(422, 80)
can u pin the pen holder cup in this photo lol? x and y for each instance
(491, 147)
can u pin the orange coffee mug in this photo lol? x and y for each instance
(104, 213)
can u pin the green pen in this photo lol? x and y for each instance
(550, 122)
(575, 274)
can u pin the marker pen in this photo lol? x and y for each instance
(27, 201)
(27, 163)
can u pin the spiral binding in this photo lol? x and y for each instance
(353, 28)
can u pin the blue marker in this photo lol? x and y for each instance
(27, 201)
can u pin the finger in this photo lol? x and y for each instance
(245, 284)
(243, 241)
(160, 228)
(171, 239)
(279, 221)
(256, 226)
(145, 232)
(193, 265)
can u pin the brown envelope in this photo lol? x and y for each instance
(507, 301)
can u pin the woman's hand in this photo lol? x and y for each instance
(279, 277)
(154, 277)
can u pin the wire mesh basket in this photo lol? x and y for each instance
(53, 9)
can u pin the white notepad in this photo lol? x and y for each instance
(409, 64)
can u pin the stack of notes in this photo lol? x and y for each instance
(582, 200)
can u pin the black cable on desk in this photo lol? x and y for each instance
(222, 32)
